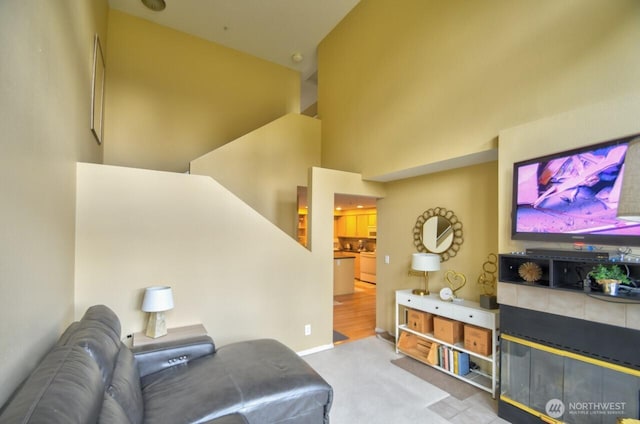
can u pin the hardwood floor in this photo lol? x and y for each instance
(354, 315)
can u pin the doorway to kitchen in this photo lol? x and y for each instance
(354, 245)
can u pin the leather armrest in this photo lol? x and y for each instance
(155, 357)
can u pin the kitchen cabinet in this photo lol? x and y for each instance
(362, 225)
(351, 226)
(347, 225)
(373, 219)
(355, 226)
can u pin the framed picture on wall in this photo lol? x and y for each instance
(97, 91)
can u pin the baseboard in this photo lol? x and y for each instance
(315, 349)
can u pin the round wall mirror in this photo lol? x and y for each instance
(438, 231)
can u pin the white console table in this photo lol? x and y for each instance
(484, 376)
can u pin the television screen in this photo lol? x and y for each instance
(573, 196)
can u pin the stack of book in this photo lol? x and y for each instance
(450, 359)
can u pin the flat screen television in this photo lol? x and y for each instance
(572, 196)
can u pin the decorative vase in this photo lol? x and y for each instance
(610, 286)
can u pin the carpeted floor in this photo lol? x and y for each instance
(368, 389)
(456, 388)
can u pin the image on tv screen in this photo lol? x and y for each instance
(573, 194)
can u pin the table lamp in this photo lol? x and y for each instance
(629, 204)
(157, 300)
(425, 262)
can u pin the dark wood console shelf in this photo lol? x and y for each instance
(566, 273)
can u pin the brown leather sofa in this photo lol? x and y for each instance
(90, 376)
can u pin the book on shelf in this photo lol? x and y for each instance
(463, 363)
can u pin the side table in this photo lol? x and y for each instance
(177, 333)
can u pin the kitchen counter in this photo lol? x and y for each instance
(343, 282)
(342, 254)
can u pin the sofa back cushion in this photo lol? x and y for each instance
(123, 398)
(98, 332)
(65, 388)
(105, 316)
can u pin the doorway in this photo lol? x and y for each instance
(354, 240)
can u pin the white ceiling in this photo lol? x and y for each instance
(269, 29)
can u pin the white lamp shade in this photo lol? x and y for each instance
(157, 299)
(425, 262)
(629, 204)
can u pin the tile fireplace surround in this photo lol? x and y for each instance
(565, 369)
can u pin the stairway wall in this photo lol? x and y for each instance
(265, 166)
(229, 267)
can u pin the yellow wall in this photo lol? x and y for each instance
(265, 167)
(172, 97)
(407, 83)
(468, 192)
(45, 66)
(421, 82)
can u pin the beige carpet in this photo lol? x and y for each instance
(456, 388)
(368, 389)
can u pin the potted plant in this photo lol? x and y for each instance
(610, 277)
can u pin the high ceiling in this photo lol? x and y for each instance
(273, 30)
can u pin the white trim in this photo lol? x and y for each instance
(315, 349)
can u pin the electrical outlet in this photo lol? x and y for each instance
(386, 259)
(307, 330)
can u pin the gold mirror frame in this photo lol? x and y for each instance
(450, 234)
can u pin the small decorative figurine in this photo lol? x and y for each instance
(455, 281)
(530, 272)
(487, 281)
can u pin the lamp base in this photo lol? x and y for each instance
(420, 292)
(157, 326)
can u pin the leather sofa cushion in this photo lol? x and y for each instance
(112, 412)
(262, 379)
(65, 388)
(229, 419)
(125, 387)
(105, 316)
(98, 332)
